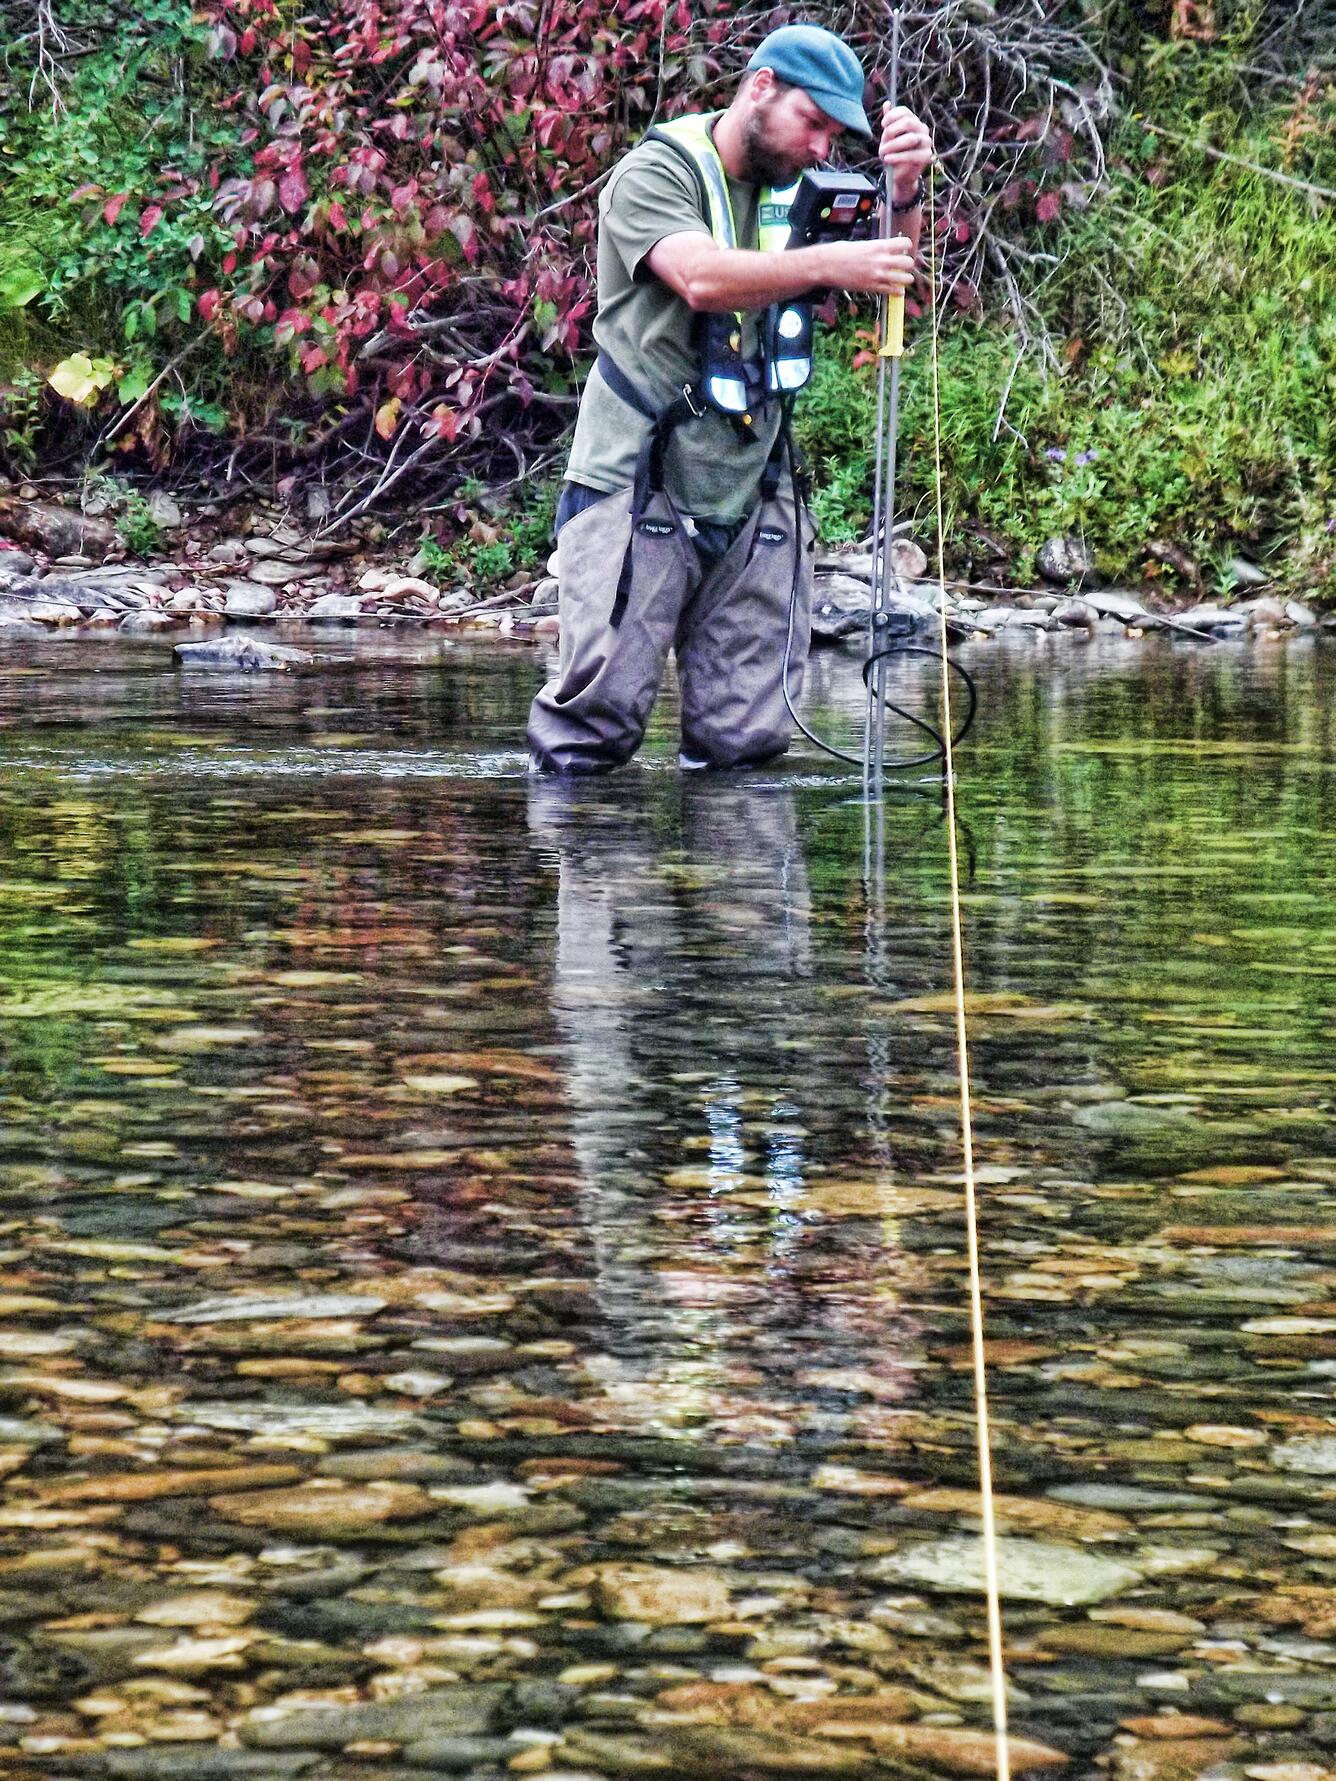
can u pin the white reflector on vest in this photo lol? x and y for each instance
(730, 394)
(789, 348)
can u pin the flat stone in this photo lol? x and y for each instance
(1177, 1759)
(326, 1508)
(1215, 619)
(241, 655)
(144, 1487)
(198, 1607)
(656, 1594)
(1246, 574)
(1299, 614)
(52, 613)
(163, 511)
(329, 1422)
(1311, 1454)
(1177, 1725)
(844, 591)
(462, 1710)
(335, 606)
(278, 572)
(1028, 1570)
(403, 587)
(229, 551)
(197, 1764)
(961, 1750)
(742, 1703)
(1112, 1641)
(1275, 1686)
(1027, 1513)
(57, 531)
(244, 600)
(712, 1753)
(106, 1654)
(258, 1309)
(1122, 607)
(1131, 1497)
(186, 599)
(148, 622)
(1075, 614)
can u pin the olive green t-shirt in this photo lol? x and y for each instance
(648, 331)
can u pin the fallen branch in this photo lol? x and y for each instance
(1219, 154)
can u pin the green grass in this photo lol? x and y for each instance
(1194, 328)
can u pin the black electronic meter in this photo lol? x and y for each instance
(831, 206)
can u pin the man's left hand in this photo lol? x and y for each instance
(905, 149)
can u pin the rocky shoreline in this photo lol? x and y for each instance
(272, 571)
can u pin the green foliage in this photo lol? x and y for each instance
(129, 511)
(106, 211)
(494, 540)
(20, 420)
(1188, 395)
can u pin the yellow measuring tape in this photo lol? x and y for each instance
(892, 328)
(982, 1435)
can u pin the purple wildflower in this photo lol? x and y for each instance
(1086, 457)
(1055, 454)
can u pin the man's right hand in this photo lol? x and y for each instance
(884, 268)
(709, 277)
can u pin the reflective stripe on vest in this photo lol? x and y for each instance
(692, 135)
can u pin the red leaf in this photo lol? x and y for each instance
(113, 207)
(149, 220)
(229, 263)
(207, 305)
(292, 189)
(313, 358)
(1048, 207)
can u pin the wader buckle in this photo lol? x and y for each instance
(692, 397)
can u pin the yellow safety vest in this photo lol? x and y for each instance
(725, 381)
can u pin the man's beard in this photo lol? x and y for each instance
(761, 164)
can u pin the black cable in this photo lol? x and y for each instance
(939, 751)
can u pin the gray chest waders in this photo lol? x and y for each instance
(633, 587)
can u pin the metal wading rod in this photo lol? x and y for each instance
(890, 330)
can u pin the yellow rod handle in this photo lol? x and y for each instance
(893, 328)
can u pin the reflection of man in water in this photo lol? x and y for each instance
(691, 1013)
(683, 939)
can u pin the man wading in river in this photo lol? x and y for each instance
(676, 521)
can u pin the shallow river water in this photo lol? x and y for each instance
(482, 1282)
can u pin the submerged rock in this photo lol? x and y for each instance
(658, 1595)
(244, 654)
(1028, 1570)
(1313, 1454)
(463, 1710)
(325, 1507)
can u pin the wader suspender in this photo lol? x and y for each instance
(690, 138)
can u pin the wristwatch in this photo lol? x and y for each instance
(913, 201)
